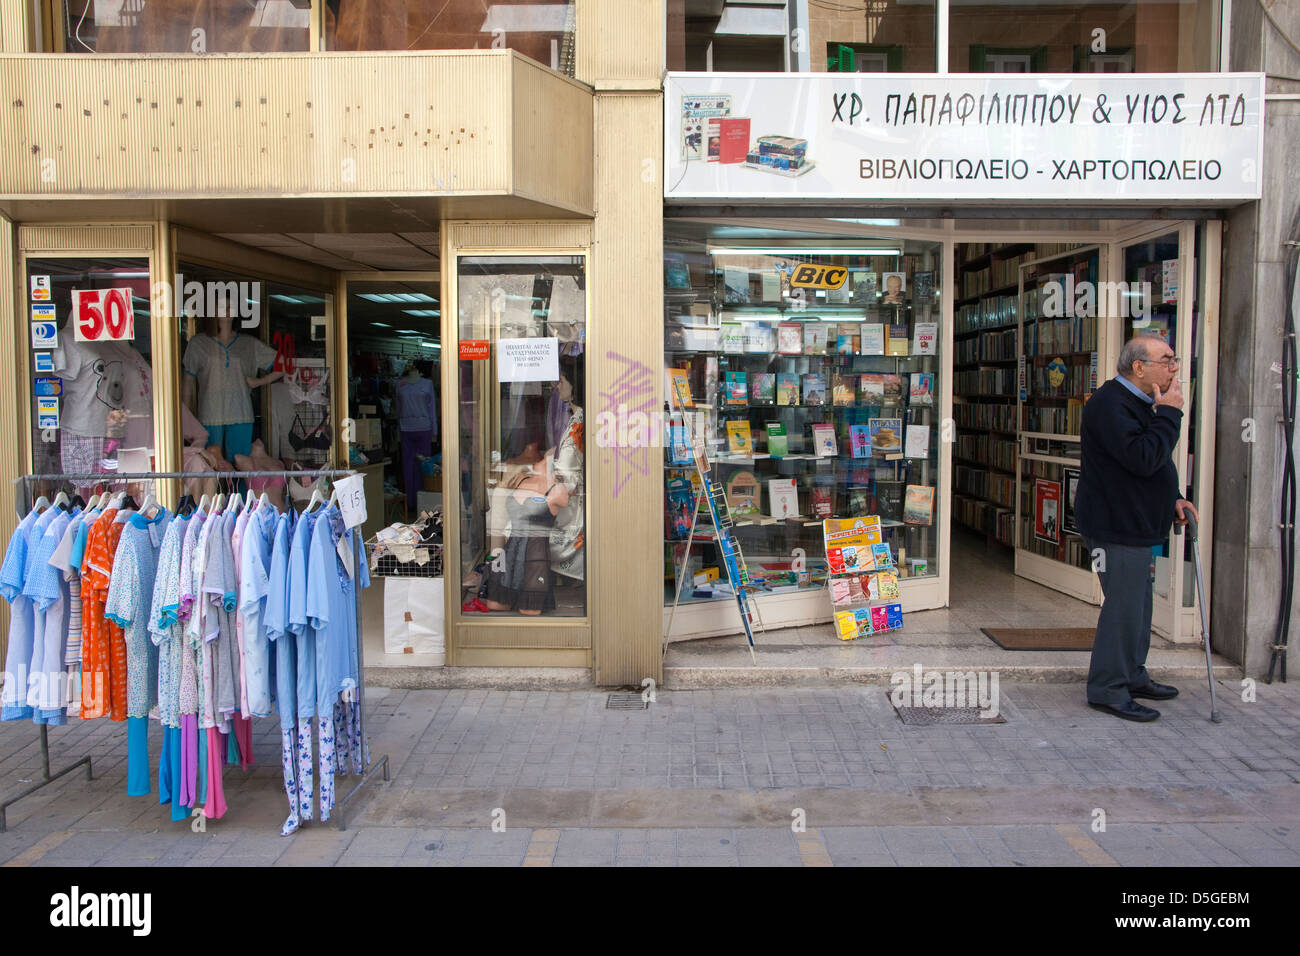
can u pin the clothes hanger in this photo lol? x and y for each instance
(61, 500)
(316, 499)
(149, 502)
(41, 503)
(203, 505)
(78, 501)
(219, 503)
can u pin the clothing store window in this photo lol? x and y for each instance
(92, 374)
(394, 392)
(255, 378)
(522, 370)
(183, 26)
(540, 29)
(1028, 36)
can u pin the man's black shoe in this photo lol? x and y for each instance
(1154, 691)
(1129, 710)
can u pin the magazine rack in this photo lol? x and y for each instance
(733, 559)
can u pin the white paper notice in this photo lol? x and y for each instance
(352, 500)
(918, 441)
(528, 360)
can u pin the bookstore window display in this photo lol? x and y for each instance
(522, 435)
(92, 373)
(812, 373)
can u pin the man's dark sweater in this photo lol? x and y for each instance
(1128, 484)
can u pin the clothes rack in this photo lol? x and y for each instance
(379, 764)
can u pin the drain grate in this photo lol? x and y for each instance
(928, 716)
(626, 700)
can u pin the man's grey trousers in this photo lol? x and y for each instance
(1119, 652)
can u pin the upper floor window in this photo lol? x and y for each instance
(1147, 36)
(184, 26)
(994, 36)
(540, 29)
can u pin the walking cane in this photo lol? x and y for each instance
(1205, 622)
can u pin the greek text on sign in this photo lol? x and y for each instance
(808, 276)
(528, 360)
(103, 315)
(981, 137)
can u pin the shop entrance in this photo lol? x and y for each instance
(977, 499)
(394, 343)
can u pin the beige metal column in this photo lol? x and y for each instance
(164, 338)
(13, 450)
(620, 53)
(15, 28)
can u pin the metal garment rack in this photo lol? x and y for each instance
(115, 478)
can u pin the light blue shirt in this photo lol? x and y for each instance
(332, 610)
(305, 634)
(22, 627)
(1149, 399)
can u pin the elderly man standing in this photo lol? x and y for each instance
(1127, 499)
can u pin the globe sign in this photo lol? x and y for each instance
(1056, 372)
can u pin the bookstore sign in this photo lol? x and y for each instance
(1195, 137)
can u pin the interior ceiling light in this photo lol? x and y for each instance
(800, 251)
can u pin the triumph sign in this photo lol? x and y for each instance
(1190, 137)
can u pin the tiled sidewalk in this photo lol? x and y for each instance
(717, 777)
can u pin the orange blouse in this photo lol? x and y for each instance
(103, 648)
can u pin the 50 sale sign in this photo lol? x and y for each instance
(103, 315)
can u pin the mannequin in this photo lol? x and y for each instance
(417, 417)
(525, 582)
(221, 367)
(102, 385)
(568, 459)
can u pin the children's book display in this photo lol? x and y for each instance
(862, 577)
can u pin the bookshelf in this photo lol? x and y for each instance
(986, 358)
(1060, 355)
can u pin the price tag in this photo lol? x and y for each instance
(352, 500)
(103, 315)
(344, 549)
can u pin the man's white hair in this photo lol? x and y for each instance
(1135, 349)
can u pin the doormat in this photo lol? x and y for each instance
(930, 716)
(1041, 638)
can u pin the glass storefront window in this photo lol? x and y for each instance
(183, 26)
(395, 383)
(536, 28)
(1138, 36)
(92, 388)
(255, 377)
(522, 466)
(881, 36)
(812, 403)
